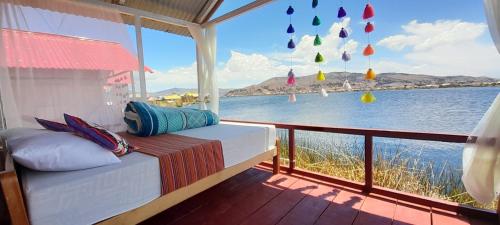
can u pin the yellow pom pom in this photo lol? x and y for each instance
(370, 74)
(368, 98)
(320, 76)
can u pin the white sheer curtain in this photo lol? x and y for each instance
(63, 57)
(492, 9)
(206, 47)
(481, 156)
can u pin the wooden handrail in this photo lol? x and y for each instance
(423, 136)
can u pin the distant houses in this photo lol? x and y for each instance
(174, 99)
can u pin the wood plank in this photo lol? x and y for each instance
(311, 207)
(272, 212)
(241, 180)
(343, 209)
(407, 213)
(223, 201)
(376, 211)
(476, 221)
(244, 208)
(446, 218)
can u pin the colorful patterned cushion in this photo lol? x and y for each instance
(54, 126)
(99, 135)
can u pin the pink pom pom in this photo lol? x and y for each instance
(369, 27)
(369, 12)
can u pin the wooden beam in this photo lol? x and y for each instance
(137, 12)
(207, 10)
(140, 57)
(212, 11)
(237, 12)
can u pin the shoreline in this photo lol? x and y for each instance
(375, 89)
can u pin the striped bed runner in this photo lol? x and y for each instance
(183, 160)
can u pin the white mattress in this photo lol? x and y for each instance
(89, 196)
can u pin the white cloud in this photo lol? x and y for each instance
(182, 77)
(245, 69)
(445, 47)
(424, 36)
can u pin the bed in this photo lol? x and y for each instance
(129, 192)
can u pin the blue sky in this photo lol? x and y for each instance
(425, 36)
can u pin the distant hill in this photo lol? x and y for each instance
(182, 91)
(384, 81)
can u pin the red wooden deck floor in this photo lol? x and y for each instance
(257, 197)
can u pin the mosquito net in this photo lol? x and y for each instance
(63, 57)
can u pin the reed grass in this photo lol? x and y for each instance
(398, 171)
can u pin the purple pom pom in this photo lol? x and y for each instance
(291, 45)
(343, 33)
(341, 13)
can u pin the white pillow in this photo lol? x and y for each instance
(58, 151)
(15, 133)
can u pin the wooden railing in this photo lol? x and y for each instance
(368, 186)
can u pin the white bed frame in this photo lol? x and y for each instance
(13, 207)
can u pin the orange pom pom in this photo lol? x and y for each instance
(368, 50)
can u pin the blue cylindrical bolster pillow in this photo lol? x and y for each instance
(148, 120)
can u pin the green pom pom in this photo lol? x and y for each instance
(319, 58)
(317, 40)
(316, 21)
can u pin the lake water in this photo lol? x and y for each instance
(453, 110)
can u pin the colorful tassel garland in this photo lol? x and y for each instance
(315, 3)
(291, 45)
(316, 21)
(368, 98)
(290, 10)
(342, 13)
(343, 33)
(368, 50)
(323, 93)
(347, 86)
(292, 98)
(369, 27)
(319, 58)
(346, 56)
(290, 29)
(369, 12)
(317, 40)
(370, 74)
(320, 76)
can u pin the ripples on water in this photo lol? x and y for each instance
(451, 110)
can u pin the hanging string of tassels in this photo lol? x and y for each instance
(291, 45)
(317, 42)
(346, 57)
(370, 76)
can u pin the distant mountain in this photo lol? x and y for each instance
(182, 91)
(384, 81)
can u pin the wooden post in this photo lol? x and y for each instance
(276, 158)
(368, 163)
(498, 209)
(140, 57)
(291, 149)
(10, 189)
